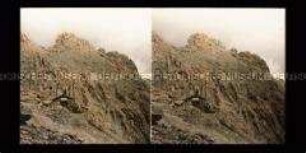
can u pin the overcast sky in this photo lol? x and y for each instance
(261, 31)
(128, 30)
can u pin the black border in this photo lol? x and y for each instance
(295, 90)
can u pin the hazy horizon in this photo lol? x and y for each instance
(260, 31)
(125, 30)
(128, 30)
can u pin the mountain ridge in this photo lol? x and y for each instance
(238, 110)
(109, 109)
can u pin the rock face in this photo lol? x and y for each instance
(203, 42)
(105, 100)
(208, 94)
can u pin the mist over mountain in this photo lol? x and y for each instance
(125, 30)
(260, 31)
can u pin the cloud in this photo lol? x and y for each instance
(261, 31)
(126, 30)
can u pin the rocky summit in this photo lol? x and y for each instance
(206, 93)
(74, 93)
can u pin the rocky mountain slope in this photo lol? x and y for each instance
(72, 92)
(205, 93)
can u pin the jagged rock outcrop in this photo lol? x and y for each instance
(202, 42)
(69, 41)
(209, 94)
(75, 93)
